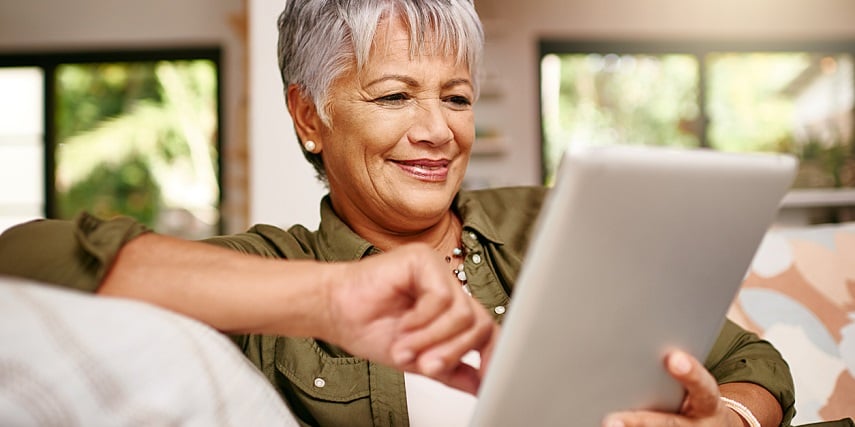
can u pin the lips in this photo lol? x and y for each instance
(425, 169)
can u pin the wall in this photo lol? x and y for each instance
(284, 188)
(74, 24)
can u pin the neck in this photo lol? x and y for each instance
(443, 236)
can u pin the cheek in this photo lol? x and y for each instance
(463, 127)
(382, 131)
(359, 142)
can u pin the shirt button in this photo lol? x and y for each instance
(499, 309)
(472, 235)
(476, 259)
(320, 383)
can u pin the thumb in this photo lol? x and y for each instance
(702, 393)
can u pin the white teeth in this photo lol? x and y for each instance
(423, 167)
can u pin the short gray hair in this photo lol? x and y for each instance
(319, 40)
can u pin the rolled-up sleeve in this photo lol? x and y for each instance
(73, 254)
(741, 356)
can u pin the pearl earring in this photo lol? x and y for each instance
(309, 146)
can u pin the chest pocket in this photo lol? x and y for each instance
(322, 389)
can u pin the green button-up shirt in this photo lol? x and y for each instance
(497, 227)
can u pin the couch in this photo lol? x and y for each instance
(70, 359)
(799, 294)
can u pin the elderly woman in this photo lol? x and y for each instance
(381, 95)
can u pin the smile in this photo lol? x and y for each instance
(424, 169)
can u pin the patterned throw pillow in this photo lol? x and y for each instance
(800, 295)
(73, 359)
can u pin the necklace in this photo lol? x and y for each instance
(458, 254)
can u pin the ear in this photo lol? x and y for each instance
(307, 122)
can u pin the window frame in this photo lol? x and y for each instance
(48, 62)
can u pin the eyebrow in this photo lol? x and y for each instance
(456, 82)
(409, 81)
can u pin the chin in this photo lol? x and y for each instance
(428, 204)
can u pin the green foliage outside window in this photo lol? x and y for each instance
(629, 99)
(786, 102)
(126, 188)
(139, 139)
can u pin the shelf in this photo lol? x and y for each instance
(820, 197)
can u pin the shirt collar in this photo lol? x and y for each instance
(337, 241)
(475, 217)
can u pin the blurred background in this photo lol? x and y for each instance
(172, 112)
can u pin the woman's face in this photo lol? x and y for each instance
(400, 136)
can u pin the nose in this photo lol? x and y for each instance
(430, 124)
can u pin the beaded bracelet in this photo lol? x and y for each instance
(742, 411)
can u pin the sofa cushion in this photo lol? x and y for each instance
(800, 295)
(75, 359)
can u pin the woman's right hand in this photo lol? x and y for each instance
(403, 309)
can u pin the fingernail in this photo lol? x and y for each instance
(680, 364)
(404, 357)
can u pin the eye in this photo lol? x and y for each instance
(459, 101)
(393, 99)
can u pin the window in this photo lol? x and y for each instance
(21, 145)
(134, 133)
(736, 97)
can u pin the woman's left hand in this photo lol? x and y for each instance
(701, 407)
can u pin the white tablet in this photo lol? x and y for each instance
(636, 251)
